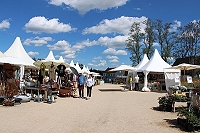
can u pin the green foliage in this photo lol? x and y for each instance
(191, 115)
(165, 100)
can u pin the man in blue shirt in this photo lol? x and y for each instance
(81, 83)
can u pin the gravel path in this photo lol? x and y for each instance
(110, 110)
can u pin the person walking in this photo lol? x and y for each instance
(136, 83)
(81, 83)
(130, 81)
(89, 83)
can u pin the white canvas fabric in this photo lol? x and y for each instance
(142, 62)
(155, 64)
(2, 55)
(50, 57)
(17, 50)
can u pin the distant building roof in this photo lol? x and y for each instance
(189, 60)
(107, 70)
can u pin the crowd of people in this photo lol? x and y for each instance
(65, 78)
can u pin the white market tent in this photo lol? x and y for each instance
(14, 61)
(61, 59)
(17, 50)
(84, 70)
(142, 62)
(137, 68)
(123, 68)
(155, 64)
(72, 63)
(50, 57)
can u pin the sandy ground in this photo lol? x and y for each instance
(110, 110)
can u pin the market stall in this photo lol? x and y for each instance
(155, 65)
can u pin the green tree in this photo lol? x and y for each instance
(149, 38)
(133, 43)
(165, 38)
(188, 41)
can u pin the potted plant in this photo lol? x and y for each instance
(165, 103)
(189, 118)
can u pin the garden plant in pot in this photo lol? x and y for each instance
(189, 118)
(165, 103)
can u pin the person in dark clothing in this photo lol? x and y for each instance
(61, 72)
(81, 83)
(40, 77)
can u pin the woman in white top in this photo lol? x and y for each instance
(89, 83)
(137, 83)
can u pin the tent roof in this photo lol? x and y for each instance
(50, 57)
(155, 64)
(123, 67)
(61, 59)
(72, 63)
(142, 62)
(17, 50)
(2, 55)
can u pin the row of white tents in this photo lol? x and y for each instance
(17, 55)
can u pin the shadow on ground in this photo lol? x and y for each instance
(173, 124)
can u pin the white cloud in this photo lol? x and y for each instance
(67, 50)
(40, 24)
(60, 45)
(87, 43)
(71, 56)
(174, 27)
(37, 41)
(5, 24)
(95, 59)
(112, 57)
(114, 51)
(31, 53)
(84, 6)
(118, 25)
(116, 42)
(70, 51)
(101, 63)
(114, 60)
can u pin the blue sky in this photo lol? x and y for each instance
(90, 32)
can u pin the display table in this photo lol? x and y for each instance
(25, 88)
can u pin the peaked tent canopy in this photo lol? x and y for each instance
(72, 63)
(77, 67)
(50, 57)
(17, 50)
(142, 62)
(51, 60)
(155, 64)
(61, 59)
